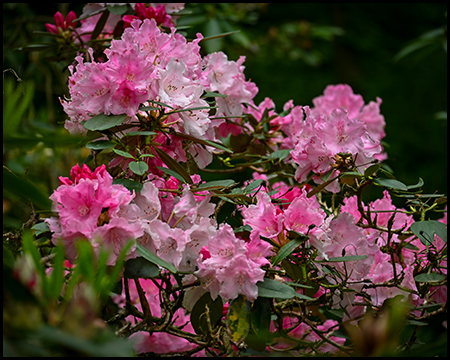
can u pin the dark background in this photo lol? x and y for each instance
(293, 51)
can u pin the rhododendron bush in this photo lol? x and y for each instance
(303, 264)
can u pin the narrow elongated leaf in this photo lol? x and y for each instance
(287, 249)
(274, 289)
(215, 184)
(140, 133)
(418, 185)
(390, 183)
(100, 25)
(103, 122)
(57, 276)
(213, 94)
(123, 153)
(215, 144)
(346, 258)
(155, 259)
(253, 185)
(238, 318)
(173, 165)
(172, 173)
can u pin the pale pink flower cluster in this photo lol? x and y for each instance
(229, 266)
(338, 123)
(148, 64)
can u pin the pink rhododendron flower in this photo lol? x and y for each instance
(264, 216)
(158, 13)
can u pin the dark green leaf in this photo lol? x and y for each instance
(346, 258)
(215, 144)
(100, 144)
(155, 259)
(103, 122)
(372, 169)
(238, 318)
(172, 173)
(429, 278)
(390, 183)
(160, 103)
(213, 94)
(260, 316)
(57, 276)
(287, 249)
(140, 268)
(174, 165)
(274, 289)
(133, 133)
(425, 231)
(129, 184)
(199, 312)
(418, 185)
(100, 25)
(138, 167)
(117, 9)
(253, 185)
(215, 184)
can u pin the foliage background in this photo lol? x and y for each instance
(293, 51)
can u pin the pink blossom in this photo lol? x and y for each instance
(264, 216)
(115, 235)
(337, 96)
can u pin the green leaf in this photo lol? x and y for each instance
(390, 183)
(215, 184)
(274, 289)
(100, 25)
(199, 312)
(193, 109)
(30, 247)
(429, 278)
(425, 231)
(174, 165)
(140, 268)
(260, 317)
(103, 122)
(280, 154)
(372, 169)
(287, 249)
(213, 94)
(40, 228)
(238, 318)
(138, 167)
(140, 133)
(117, 9)
(346, 258)
(155, 259)
(253, 185)
(172, 173)
(100, 145)
(129, 184)
(57, 277)
(160, 103)
(123, 153)
(418, 185)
